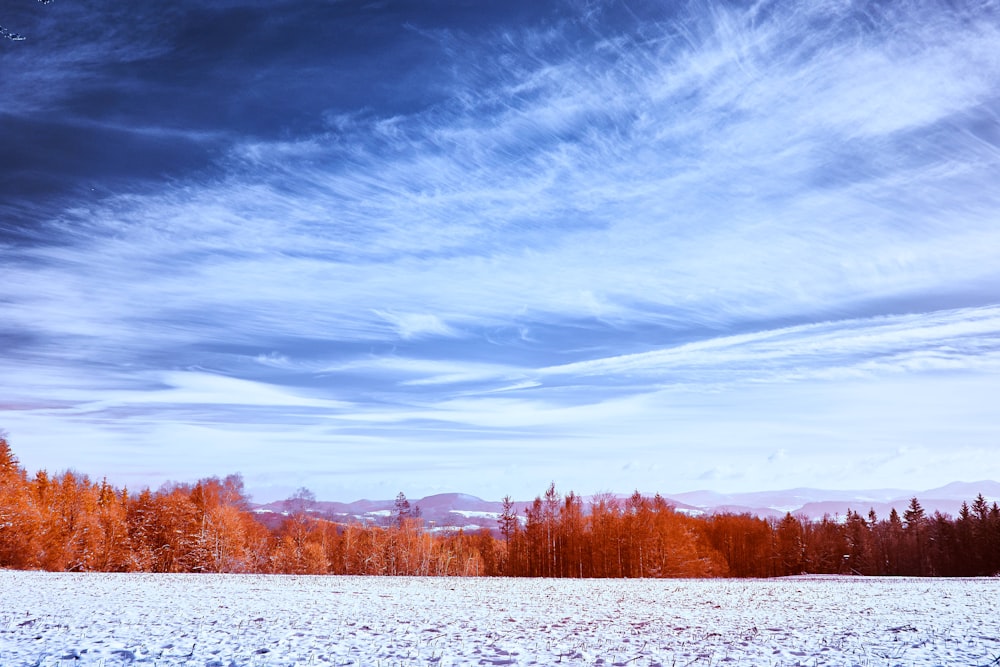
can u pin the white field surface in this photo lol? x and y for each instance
(223, 620)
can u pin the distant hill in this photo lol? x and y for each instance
(453, 511)
(816, 503)
(443, 511)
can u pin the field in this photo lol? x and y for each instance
(224, 620)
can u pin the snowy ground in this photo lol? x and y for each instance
(223, 620)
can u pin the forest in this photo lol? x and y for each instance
(68, 522)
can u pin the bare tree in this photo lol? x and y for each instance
(301, 501)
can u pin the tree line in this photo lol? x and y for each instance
(68, 522)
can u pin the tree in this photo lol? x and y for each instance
(113, 544)
(825, 547)
(70, 531)
(19, 516)
(300, 547)
(892, 531)
(508, 524)
(638, 532)
(745, 542)
(66, 522)
(550, 514)
(980, 508)
(605, 528)
(401, 509)
(858, 535)
(301, 501)
(508, 521)
(914, 556)
(789, 546)
(8, 462)
(535, 539)
(572, 537)
(982, 538)
(177, 526)
(914, 514)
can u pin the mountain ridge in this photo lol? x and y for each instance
(456, 510)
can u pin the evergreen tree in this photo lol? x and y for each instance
(8, 462)
(508, 521)
(914, 515)
(401, 511)
(789, 546)
(20, 520)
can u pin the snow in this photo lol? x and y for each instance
(468, 528)
(786, 509)
(474, 514)
(689, 511)
(221, 620)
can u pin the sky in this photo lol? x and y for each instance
(476, 246)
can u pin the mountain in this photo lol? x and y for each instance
(966, 490)
(453, 511)
(816, 503)
(443, 511)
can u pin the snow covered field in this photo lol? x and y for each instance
(223, 620)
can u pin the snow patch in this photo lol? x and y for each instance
(473, 514)
(96, 620)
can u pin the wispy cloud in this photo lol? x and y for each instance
(963, 340)
(539, 231)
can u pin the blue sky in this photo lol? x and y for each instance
(479, 246)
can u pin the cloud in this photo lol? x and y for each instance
(572, 198)
(414, 325)
(777, 456)
(208, 389)
(966, 339)
(569, 227)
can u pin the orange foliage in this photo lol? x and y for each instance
(68, 522)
